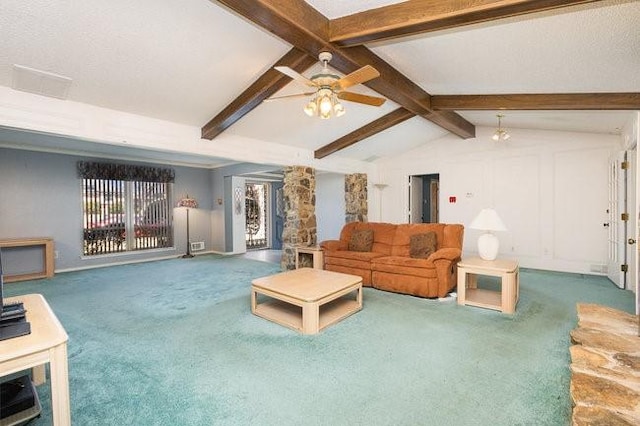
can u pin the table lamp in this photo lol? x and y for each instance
(488, 244)
(189, 203)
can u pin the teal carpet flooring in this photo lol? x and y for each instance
(174, 343)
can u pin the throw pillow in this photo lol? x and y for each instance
(361, 240)
(422, 245)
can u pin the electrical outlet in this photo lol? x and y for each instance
(56, 254)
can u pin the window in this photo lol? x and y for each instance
(125, 208)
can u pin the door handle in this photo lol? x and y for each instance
(631, 241)
(606, 224)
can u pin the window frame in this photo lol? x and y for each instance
(124, 233)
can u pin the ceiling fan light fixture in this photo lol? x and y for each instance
(325, 104)
(311, 108)
(329, 88)
(500, 133)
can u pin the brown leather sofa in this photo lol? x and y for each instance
(389, 264)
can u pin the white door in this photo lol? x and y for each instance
(632, 229)
(635, 285)
(616, 226)
(415, 199)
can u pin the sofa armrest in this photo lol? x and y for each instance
(334, 245)
(446, 262)
(448, 254)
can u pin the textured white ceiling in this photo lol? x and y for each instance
(595, 49)
(336, 8)
(179, 60)
(185, 60)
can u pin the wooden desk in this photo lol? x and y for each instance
(469, 293)
(47, 343)
(31, 242)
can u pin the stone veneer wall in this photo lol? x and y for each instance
(605, 367)
(300, 227)
(355, 197)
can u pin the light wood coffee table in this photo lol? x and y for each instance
(306, 300)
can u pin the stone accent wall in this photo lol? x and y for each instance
(300, 228)
(355, 197)
(605, 367)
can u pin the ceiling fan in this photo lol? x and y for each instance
(329, 87)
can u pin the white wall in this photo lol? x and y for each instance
(330, 205)
(41, 196)
(550, 188)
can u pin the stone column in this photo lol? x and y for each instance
(355, 197)
(299, 193)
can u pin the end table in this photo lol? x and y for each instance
(316, 256)
(469, 293)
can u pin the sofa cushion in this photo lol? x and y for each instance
(356, 255)
(361, 240)
(402, 238)
(422, 245)
(356, 259)
(383, 234)
(404, 266)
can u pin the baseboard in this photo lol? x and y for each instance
(132, 261)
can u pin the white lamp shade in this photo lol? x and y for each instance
(488, 220)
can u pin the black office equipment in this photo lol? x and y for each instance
(13, 321)
(19, 401)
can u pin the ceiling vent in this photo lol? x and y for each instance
(40, 82)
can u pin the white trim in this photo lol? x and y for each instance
(128, 262)
(127, 253)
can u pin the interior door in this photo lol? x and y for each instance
(277, 203)
(415, 199)
(435, 207)
(616, 227)
(632, 229)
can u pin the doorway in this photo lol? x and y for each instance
(256, 215)
(424, 193)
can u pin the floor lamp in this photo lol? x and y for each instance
(188, 203)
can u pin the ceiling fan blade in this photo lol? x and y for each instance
(296, 76)
(361, 75)
(297, 95)
(362, 99)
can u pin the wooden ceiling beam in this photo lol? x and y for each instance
(395, 86)
(266, 85)
(421, 16)
(294, 21)
(389, 120)
(299, 24)
(559, 101)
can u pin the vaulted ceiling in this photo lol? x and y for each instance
(446, 67)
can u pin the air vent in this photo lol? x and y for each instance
(598, 268)
(40, 82)
(197, 246)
